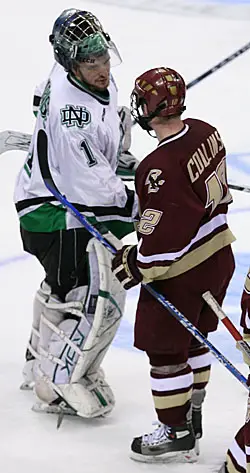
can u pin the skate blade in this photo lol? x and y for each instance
(188, 456)
(46, 408)
(25, 386)
(65, 410)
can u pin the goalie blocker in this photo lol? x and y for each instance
(69, 340)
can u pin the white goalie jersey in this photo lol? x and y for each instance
(84, 140)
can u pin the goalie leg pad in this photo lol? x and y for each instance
(109, 304)
(62, 330)
(92, 391)
(73, 347)
(41, 297)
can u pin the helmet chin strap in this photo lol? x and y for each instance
(144, 121)
(154, 114)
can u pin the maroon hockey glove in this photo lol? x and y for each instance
(245, 309)
(124, 267)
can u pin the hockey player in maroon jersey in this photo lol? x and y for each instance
(238, 455)
(184, 249)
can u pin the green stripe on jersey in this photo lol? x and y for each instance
(46, 218)
(50, 218)
(118, 228)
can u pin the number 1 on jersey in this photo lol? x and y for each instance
(91, 160)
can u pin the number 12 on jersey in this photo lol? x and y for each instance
(217, 187)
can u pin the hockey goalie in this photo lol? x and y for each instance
(79, 305)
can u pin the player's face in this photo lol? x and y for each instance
(96, 71)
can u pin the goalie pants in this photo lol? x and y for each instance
(180, 366)
(63, 256)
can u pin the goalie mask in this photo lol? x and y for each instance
(78, 35)
(159, 92)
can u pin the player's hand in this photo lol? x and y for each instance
(124, 267)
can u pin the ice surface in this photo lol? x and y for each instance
(29, 442)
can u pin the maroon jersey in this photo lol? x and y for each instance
(184, 196)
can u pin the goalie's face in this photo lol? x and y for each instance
(95, 71)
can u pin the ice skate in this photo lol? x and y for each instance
(55, 407)
(165, 444)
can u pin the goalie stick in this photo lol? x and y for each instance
(42, 150)
(17, 141)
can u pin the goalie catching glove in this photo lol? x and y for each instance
(127, 166)
(127, 163)
(124, 267)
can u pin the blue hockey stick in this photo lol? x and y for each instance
(42, 150)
